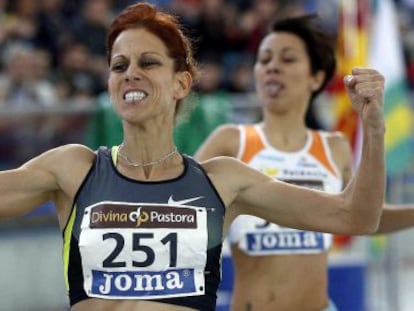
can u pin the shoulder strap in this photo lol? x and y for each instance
(250, 142)
(320, 150)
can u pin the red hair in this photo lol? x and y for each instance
(165, 26)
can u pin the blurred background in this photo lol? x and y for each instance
(53, 91)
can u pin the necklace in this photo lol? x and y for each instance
(135, 164)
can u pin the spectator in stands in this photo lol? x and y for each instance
(76, 81)
(53, 28)
(90, 31)
(20, 85)
(21, 23)
(25, 93)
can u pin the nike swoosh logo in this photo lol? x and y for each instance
(182, 202)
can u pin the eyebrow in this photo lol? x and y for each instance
(153, 53)
(283, 50)
(142, 54)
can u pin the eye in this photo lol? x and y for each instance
(148, 63)
(119, 67)
(264, 60)
(289, 59)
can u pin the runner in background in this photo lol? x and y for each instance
(278, 268)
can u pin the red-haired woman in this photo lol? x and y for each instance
(142, 223)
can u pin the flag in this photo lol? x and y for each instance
(351, 51)
(386, 56)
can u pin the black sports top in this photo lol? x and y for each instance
(156, 241)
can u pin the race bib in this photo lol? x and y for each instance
(264, 238)
(143, 251)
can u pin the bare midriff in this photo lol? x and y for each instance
(129, 305)
(282, 282)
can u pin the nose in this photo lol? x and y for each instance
(133, 73)
(273, 66)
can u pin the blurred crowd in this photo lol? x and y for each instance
(52, 52)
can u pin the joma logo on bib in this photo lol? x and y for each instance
(136, 284)
(142, 216)
(289, 240)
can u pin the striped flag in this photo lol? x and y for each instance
(375, 45)
(352, 51)
(386, 55)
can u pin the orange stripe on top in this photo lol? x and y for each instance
(253, 143)
(317, 149)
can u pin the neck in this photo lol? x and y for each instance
(129, 160)
(287, 134)
(288, 124)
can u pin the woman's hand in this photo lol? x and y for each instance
(365, 89)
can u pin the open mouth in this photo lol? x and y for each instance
(273, 88)
(134, 96)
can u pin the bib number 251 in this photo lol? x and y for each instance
(138, 245)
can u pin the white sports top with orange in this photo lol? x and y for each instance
(312, 167)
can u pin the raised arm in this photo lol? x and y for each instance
(367, 187)
(394, 217)
(356, 210)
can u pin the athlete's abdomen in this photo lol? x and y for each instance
(117, 305)
(282, 283)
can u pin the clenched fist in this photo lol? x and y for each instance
(365, 89)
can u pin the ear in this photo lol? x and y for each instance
(317, 80)
(183, 84)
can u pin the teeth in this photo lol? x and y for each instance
(134, 96)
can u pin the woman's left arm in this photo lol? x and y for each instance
(357, 209)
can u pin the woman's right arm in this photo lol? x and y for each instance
(41, 179)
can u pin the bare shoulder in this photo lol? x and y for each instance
(227, 130)
(229, 166)
(230, 176)
(215, 164)
(60, 157)
(223, 141)
(66, 166)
